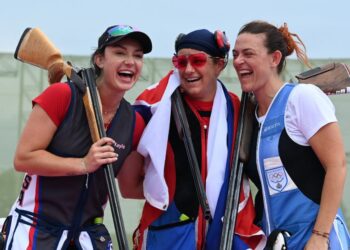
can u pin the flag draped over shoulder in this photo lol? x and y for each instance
(154, 104)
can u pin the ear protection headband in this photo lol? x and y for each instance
(220, 39)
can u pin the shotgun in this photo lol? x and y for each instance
(35, 48)
(240, 156)
(185, 133)
(332, 78)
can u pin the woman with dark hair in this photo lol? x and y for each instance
(173, 217)
(298, 159)
(61, 204)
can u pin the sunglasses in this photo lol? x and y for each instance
(196, 60)
(118, 30)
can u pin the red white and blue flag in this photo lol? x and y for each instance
(155, 103)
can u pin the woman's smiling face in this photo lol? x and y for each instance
(199, 82)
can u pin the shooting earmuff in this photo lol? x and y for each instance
(222, 41)
(216, 45)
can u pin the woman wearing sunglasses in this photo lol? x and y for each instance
(62, 200)
(172, 217)
(298, 161)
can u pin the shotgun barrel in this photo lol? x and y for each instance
(240, 156)
(184, 132)
(88, 77)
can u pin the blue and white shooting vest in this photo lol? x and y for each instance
(291, 180)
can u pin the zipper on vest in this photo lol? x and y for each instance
(263, 181)
(204, 170)
(205, 127)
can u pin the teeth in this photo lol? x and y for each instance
(126, 72)
(244, 72)
(192, 79)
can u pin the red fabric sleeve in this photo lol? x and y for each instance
(139, 127)
(55, 100)
(236, 105)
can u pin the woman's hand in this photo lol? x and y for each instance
(101, 153)
(317, 242)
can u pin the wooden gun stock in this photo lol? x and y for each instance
(332, 78)
(35, 48)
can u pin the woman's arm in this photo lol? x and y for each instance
(131, 175)
(32, 157)
(328, 145)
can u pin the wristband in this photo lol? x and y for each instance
(321, 234)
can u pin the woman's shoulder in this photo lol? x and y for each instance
(55, 101)
(58, 89)
(303, 89)
(309, 94)
(307, 110)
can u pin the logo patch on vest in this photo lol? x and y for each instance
(277, 177)
(272, 126)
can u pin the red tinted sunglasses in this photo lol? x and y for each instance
(196, 60)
